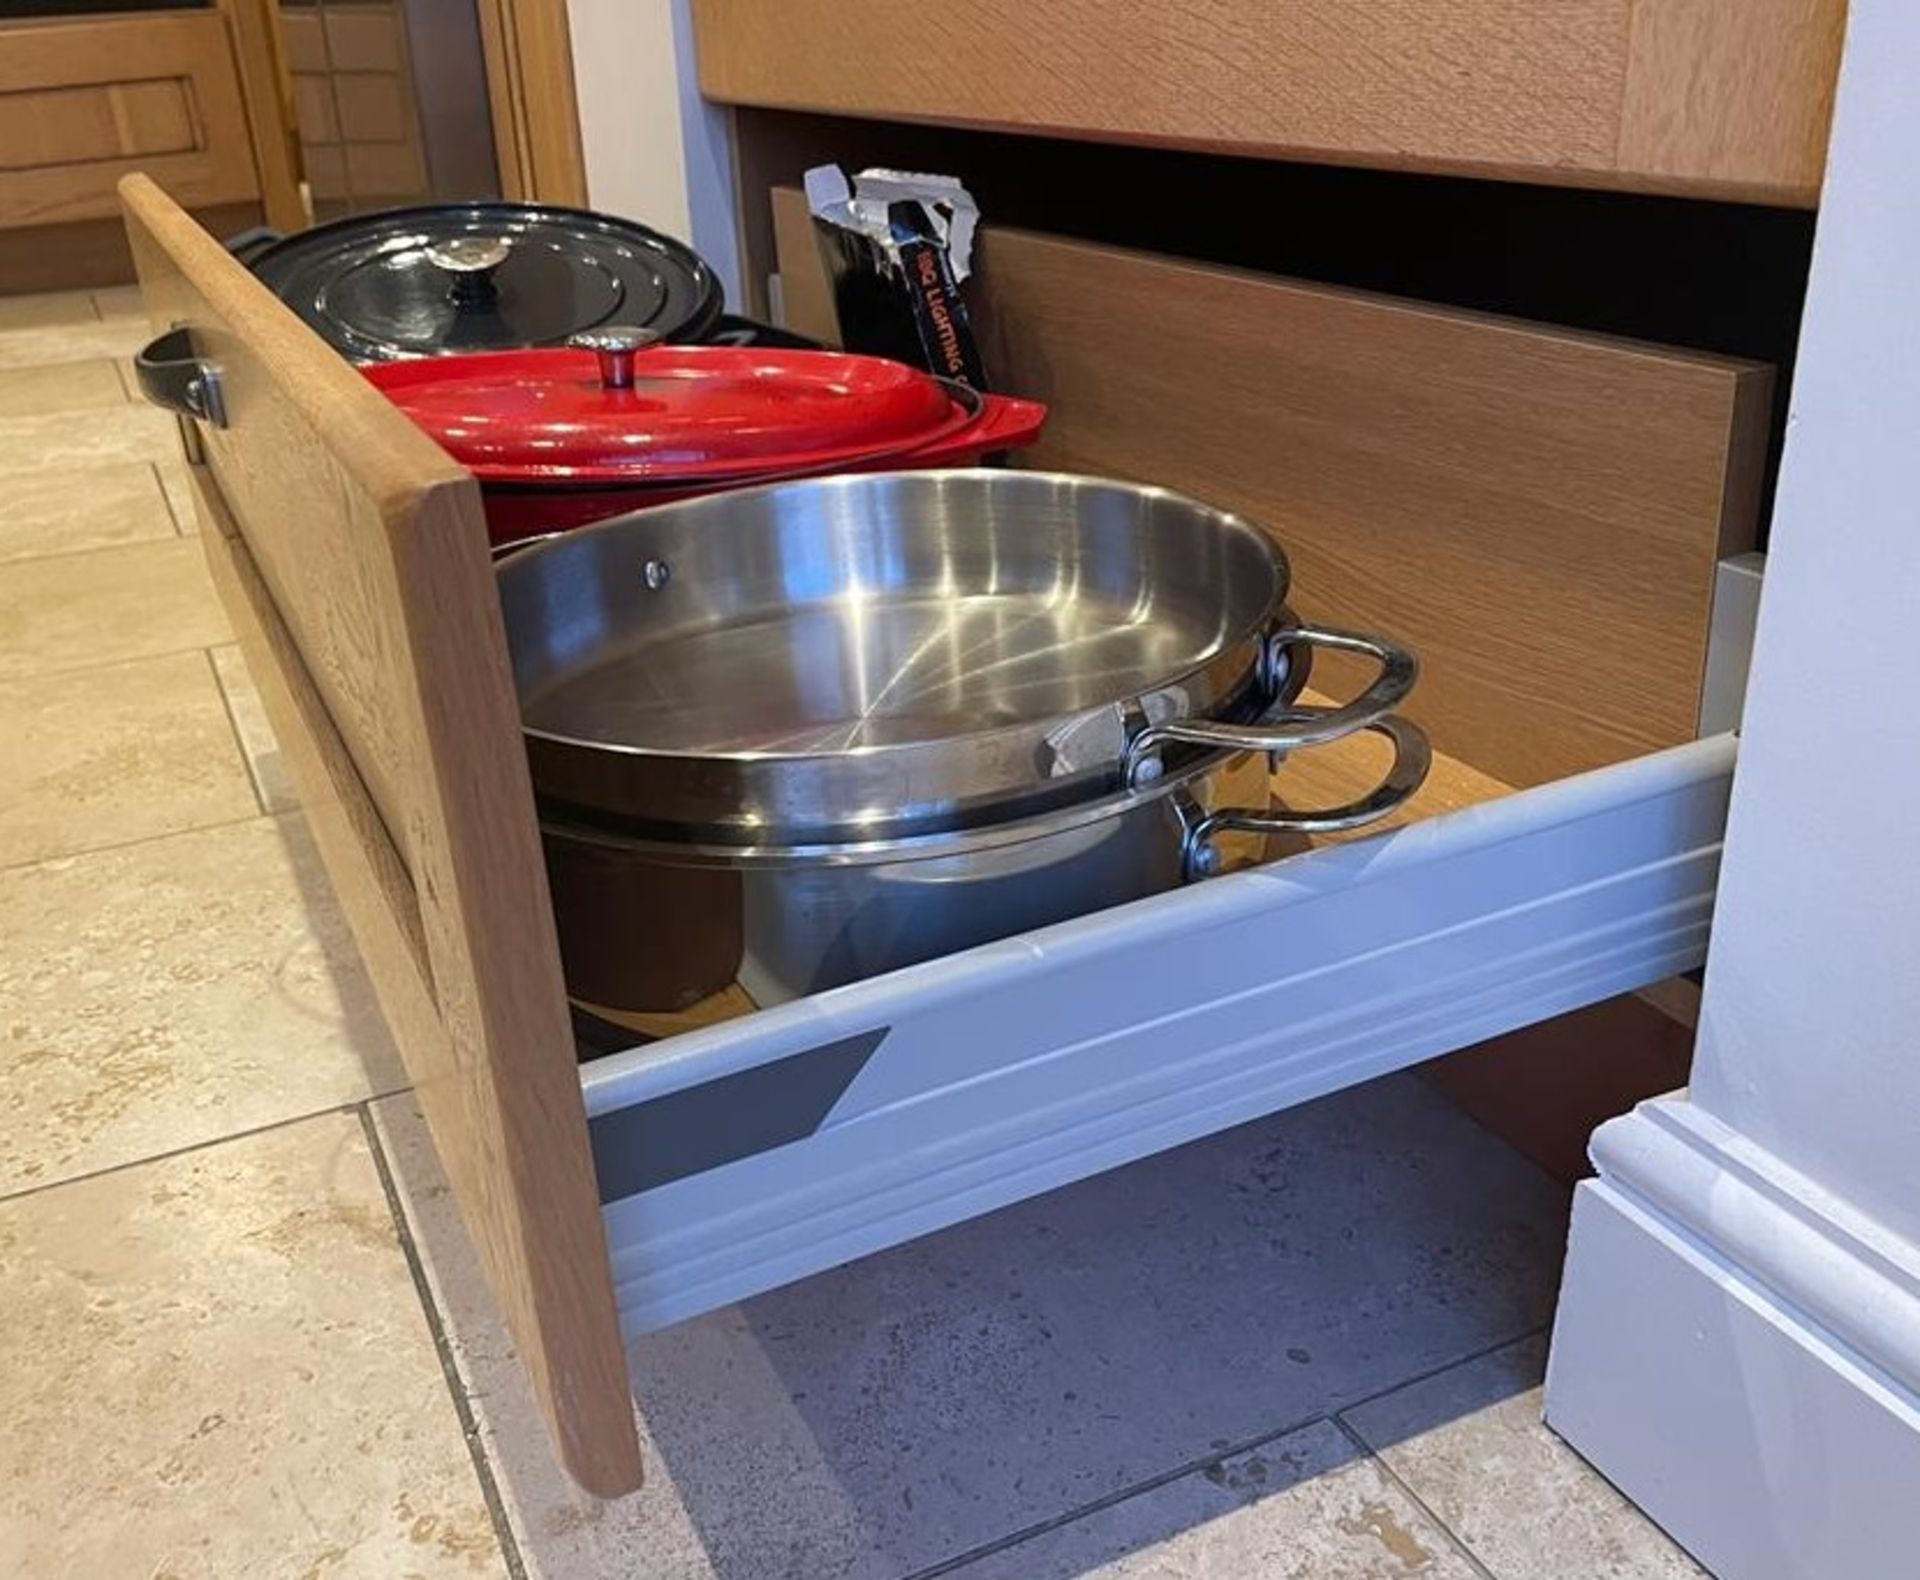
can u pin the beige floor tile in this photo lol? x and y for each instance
(179, 496)
(1308, 1506)
(179, 492)
(120, 302)
(76, 611)
(45, 309)
(271, 779)
(63, 513)
(62, 386)
(925, 1402)
(170, 993)
(33, 345)
(62, 441)
(101, 757)
(1471, 1445)
(217, 1366)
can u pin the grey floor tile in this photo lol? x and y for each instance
(920, 1403)
(1307, 1506)
(1471, 1445)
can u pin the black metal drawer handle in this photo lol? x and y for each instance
(172, 375)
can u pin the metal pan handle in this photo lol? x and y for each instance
(172, 375)
(1412, 757)
(1295, 727)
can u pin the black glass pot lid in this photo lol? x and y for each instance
(459, 277)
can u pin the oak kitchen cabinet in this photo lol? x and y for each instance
(1550, 864)
(1723, 98)
(189, 94)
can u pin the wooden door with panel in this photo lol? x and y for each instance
(351, 556)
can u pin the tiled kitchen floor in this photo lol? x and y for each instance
(245, 1336)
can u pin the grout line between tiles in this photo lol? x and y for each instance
(96, 548)
(126, 844)
(443, 1349)
(65, 671)
(1390, 1474)
(7, 1198)
(1107, 1501)
(1162, 1478)
(240, 740)
(166, 498)
(1434, 1371)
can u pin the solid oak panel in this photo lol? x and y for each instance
(1717, 97)
(351, 556)
(83, 103)
(1537, 512)
(1733, 94)
(78, 126)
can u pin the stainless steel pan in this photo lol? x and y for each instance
(1037, 682)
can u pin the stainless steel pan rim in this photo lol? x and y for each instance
(1200, 822)
(891, 651)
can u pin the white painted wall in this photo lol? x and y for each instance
(1810, 1027)
(655, 150)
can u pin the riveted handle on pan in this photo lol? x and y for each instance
(1412, 757)
(1297, 726)
(172, 374)
(1294, 728)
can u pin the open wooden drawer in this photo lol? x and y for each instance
(653, 1183)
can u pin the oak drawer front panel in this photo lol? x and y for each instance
(1537, 512)
(1720, 97)
(84, 103)
(351, 556)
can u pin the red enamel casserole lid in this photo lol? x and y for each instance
(615, 408)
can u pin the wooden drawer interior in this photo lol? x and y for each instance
(1538, 512)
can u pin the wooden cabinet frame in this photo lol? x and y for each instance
(1713, 98)
(536, 115)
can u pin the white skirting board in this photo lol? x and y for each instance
(1740, 1354)
(934, 1094)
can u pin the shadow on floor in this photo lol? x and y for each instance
(918, 1405)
